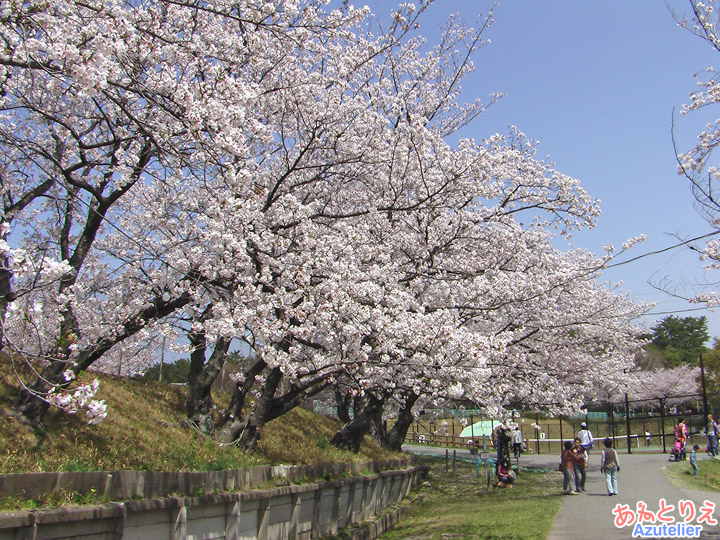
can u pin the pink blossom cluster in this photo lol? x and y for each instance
(290, 177)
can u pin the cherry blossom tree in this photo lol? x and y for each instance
(105, 101)
(698, 164)
(286, 176)
(486, 283)
(73, 144)
(665, 383)
(556, 336)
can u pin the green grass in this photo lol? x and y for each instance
(708, 478)
(460, 504)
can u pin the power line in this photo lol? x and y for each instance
(669, 248)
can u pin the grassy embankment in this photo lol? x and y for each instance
(144, 430)
(680, 474)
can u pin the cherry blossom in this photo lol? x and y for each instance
(287, 176)
(698, 164)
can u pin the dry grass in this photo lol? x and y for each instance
(302, 437)
(144, 431)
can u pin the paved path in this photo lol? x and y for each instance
(588, 516)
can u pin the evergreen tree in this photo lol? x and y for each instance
(711, 362)
(680, 340)
(176, 372)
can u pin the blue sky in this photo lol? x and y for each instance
(596, 83)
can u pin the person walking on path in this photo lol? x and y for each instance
(568, 460)
(579, 467)
(693, 460)
(713, 432)
(586, 438)
(610, 465)
(681, 434)
(501, 440)
(517, 442)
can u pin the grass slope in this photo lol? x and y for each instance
(708, 478)
(144, 430)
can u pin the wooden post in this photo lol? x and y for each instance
(232, 527)
(263, 516)
(315, 523)
(561, 434)
(706, 411)
(334, 524)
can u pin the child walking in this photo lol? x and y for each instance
(693, 459)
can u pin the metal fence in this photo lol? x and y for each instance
(644, 425)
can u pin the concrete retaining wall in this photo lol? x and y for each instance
(121, 485)
(293, 512)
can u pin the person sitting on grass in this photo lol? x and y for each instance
(505, 474)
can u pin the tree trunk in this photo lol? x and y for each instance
(378, 430)
(261, 413)
(245, 429)
(394, 439)
(6, 295)
(30, 407)
(200, 405)
(350, 436)
(343, 399)
(235, 421)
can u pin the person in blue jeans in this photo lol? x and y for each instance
(610, 465)
(693, 459)
(713, 431)
(579, 467)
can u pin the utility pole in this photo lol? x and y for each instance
(704, 391)
(162, 359)
(662, 423)
(627, 423)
